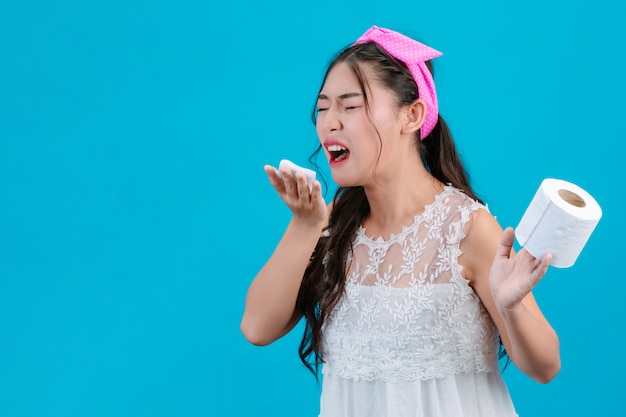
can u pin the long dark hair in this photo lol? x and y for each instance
(324, 279)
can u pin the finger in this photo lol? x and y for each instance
(270, 170)
(506, 243)
(303, 187)
(542, 268)
(540, 271)
(291, 186)
(275, 179)
(533, 268)
(316, 192)
(531, 261)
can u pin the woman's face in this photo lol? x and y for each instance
(352, 136)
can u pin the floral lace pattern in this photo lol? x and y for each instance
(408, 314)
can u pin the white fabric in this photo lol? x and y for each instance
(410, 337)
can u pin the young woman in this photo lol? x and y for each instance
(407, 283)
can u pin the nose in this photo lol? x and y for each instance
(329, 120)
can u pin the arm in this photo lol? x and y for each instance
(504, 281)
(270, 310)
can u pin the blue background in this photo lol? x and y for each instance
(134, 211)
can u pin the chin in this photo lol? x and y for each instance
(345, 182)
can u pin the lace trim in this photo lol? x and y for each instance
(459, 235)
(394, 373)
(417, 219)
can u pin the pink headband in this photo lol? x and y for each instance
(414, 55)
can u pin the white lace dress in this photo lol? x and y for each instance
(410, 337)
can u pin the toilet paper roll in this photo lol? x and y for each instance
(559, 220)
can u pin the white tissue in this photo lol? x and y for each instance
(310, 174)
(559, 220)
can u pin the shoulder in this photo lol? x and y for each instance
(463, 209)
(482, 237)
(462, 200)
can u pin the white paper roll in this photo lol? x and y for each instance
(559, 220)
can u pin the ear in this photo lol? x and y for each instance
(414, 116)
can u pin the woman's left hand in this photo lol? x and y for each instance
(513, 277)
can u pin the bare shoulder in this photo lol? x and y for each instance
(480, 244)
(483, 225)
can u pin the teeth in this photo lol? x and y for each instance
(336, 148)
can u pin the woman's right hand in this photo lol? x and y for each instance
(307, 205)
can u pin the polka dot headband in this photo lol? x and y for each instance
(414, 55)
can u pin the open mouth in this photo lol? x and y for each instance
(338, 152)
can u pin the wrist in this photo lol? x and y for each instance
(307, 225)
(511, 313)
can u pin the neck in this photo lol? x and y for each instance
(394, 202)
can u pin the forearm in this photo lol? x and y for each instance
(271, 298)
(532, 343)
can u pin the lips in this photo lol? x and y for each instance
(337, 151)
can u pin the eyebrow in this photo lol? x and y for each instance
(341, 97)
